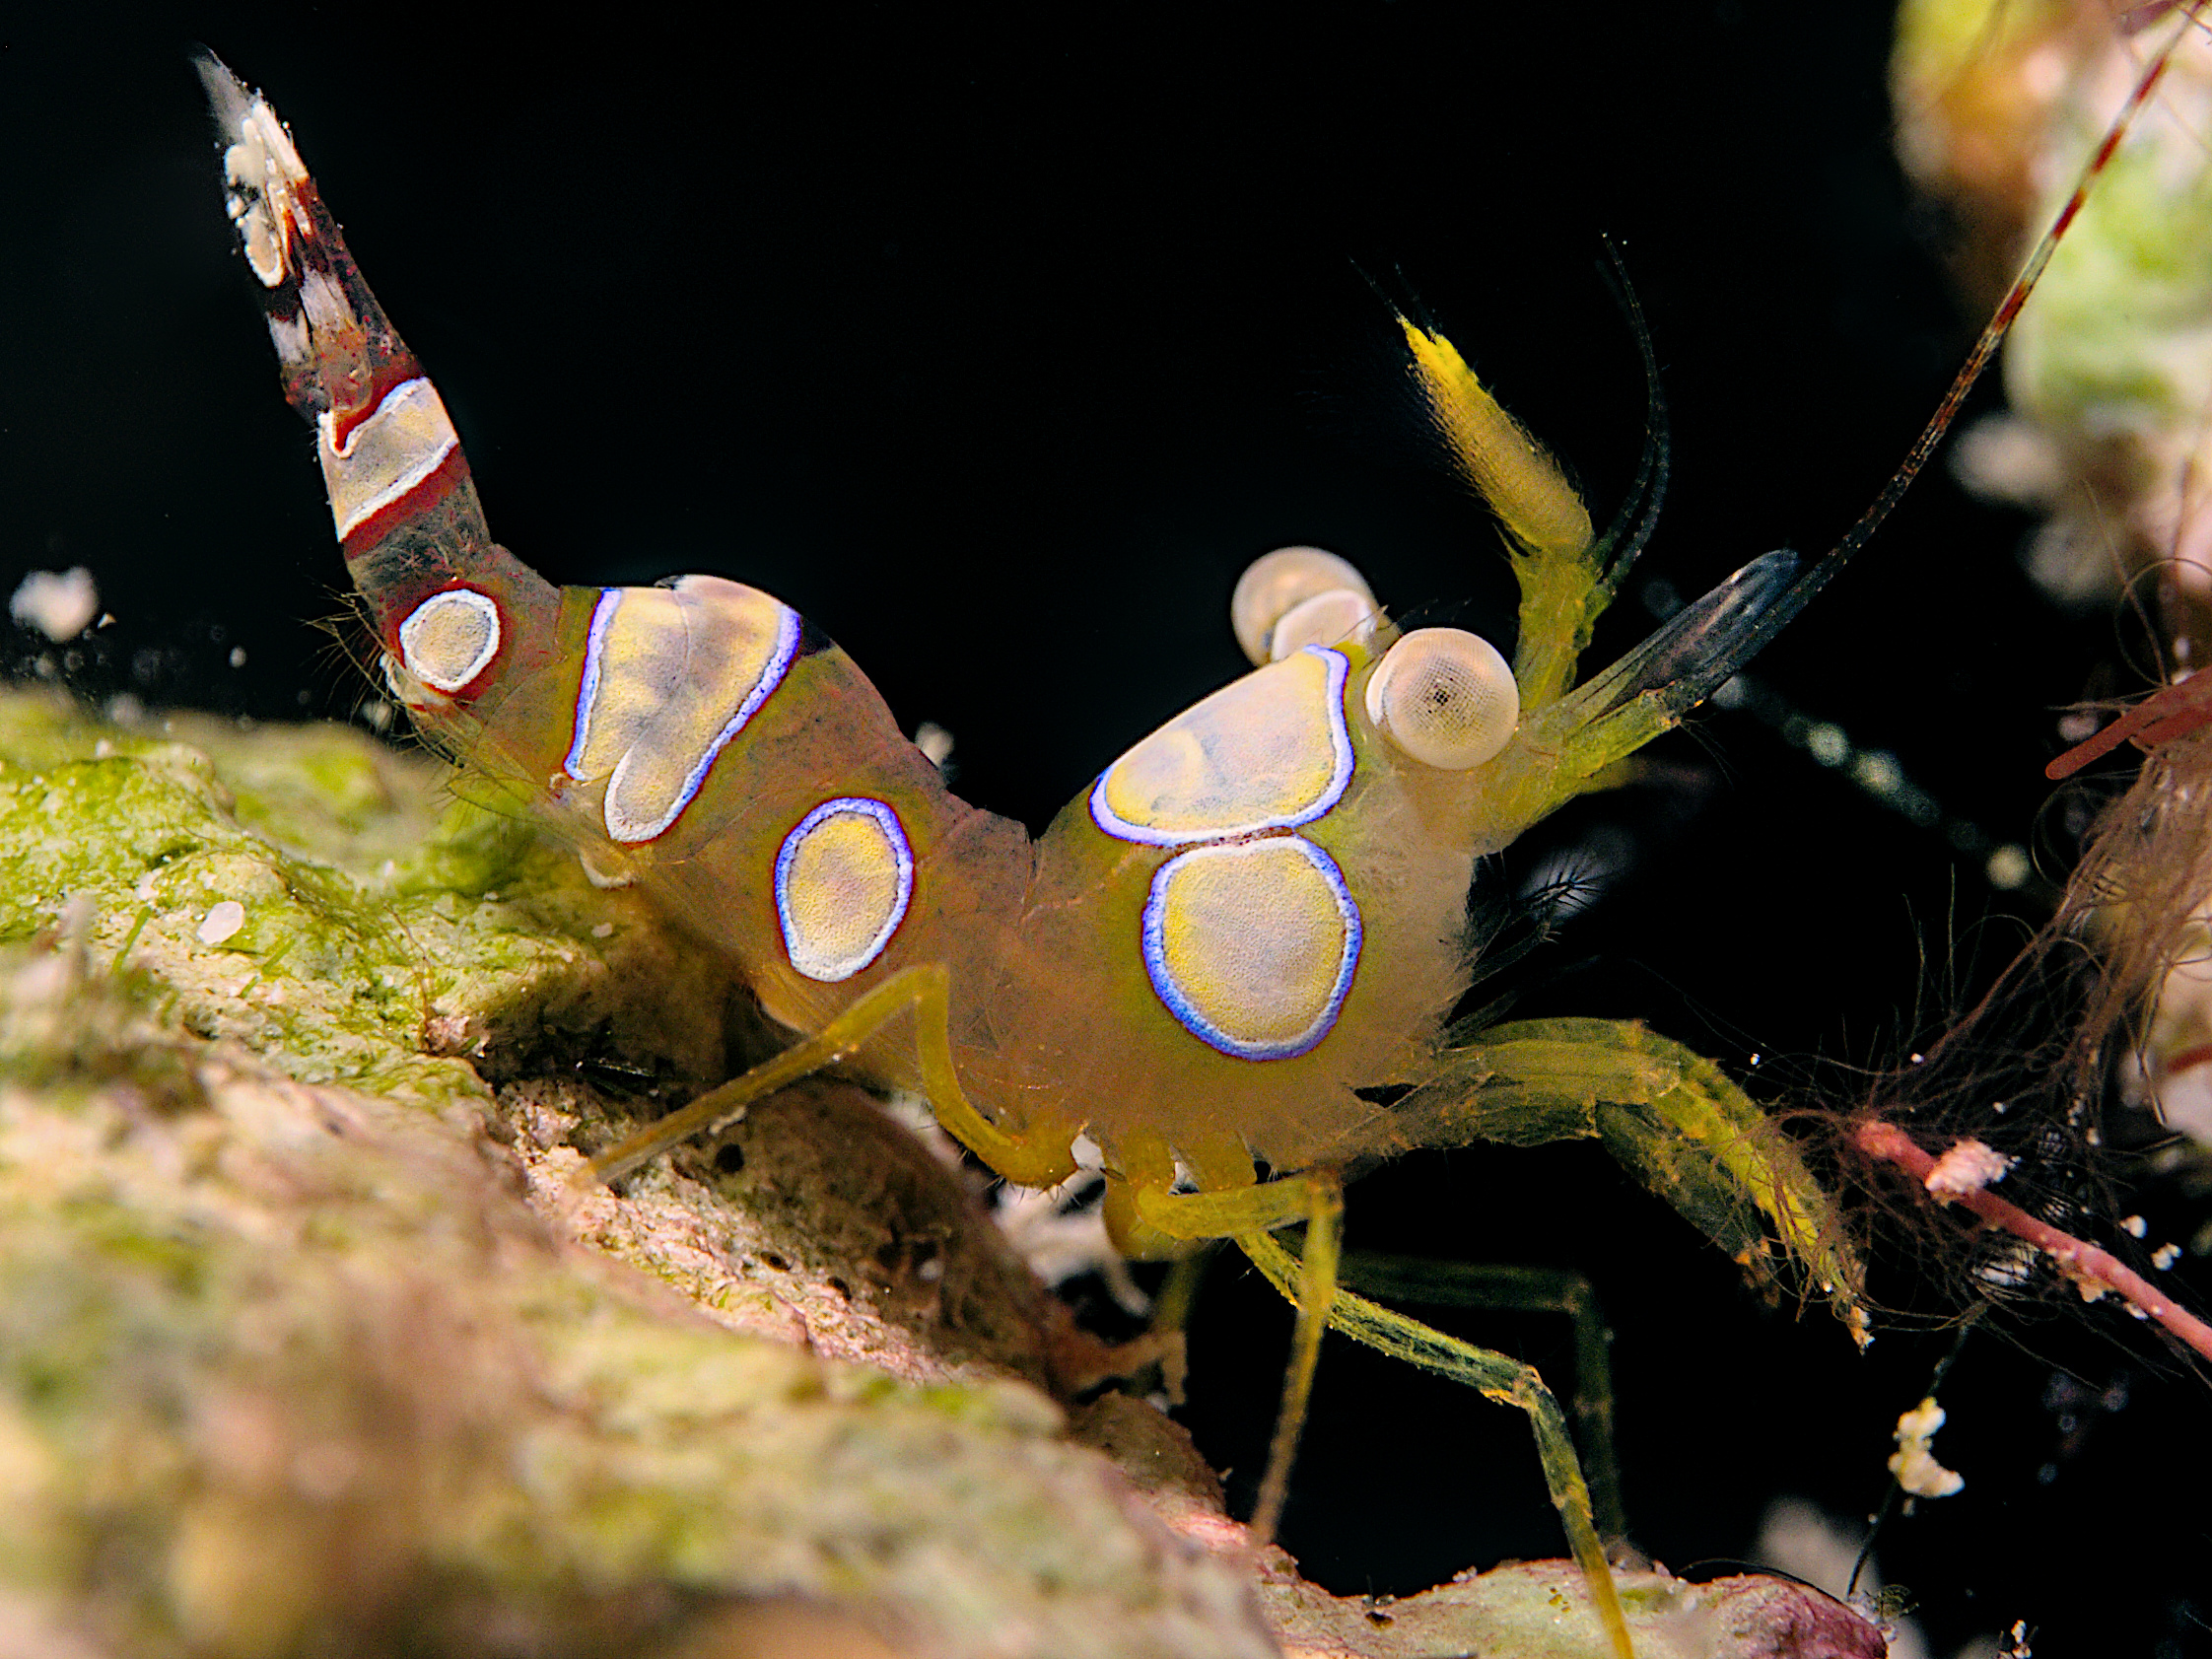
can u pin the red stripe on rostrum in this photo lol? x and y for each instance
(441, 482)
(385, 374)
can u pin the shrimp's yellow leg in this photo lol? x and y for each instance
(1496, 1376)
(926, 990)
(1671, 1117)
(1464, 1284)
(1316, 1197)
(1317, 1293)
(1309, 1282)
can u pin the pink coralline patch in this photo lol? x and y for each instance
(1771, 1618)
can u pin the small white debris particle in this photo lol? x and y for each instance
(934, 741)
(1912, 1463)
(1878, 773)
(1061, 1240)
(1916, 1059)
(2008, 868)
(223, 921)
(602, 878)
(238, 657)
(2134, 1226)
(602, 931)
(1966, 1168)
(58, 605)
(2164, 1256)
(1754, 1059)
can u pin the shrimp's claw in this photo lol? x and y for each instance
(1670, 1117)
(1697, 649)
(1563, 748)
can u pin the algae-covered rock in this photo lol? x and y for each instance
(312, 1342)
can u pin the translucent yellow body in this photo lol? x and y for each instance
(1224, 955)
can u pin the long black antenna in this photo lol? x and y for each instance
(1823, 570)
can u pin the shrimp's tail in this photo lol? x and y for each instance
(446, 602)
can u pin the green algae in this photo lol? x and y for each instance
(383, 916)
(301, 1357)
(284, 1362)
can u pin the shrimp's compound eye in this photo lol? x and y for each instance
(1445, 696)
(1278, 583)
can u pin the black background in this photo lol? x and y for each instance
(997, 343)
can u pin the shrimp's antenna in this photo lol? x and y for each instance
(1648, 492)
(1823, 570)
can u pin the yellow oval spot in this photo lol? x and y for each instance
(844, 878)
(450, 637)
(670, 675)
(1267, 753)
(1252, 945)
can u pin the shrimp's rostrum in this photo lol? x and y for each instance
(1220, 960)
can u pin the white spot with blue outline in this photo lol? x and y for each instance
(806, 954)
(625, 829)
(1340, 779)
(587, 694)
(1182, 1005)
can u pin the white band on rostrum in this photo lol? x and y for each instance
(388, 457)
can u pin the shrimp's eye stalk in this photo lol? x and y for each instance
(1445, 696)
(1296, 596)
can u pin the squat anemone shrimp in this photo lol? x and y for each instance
(841, 891)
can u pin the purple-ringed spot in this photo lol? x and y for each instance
(844, 878)
(1252, 945)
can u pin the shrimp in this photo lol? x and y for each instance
(1230, 962)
